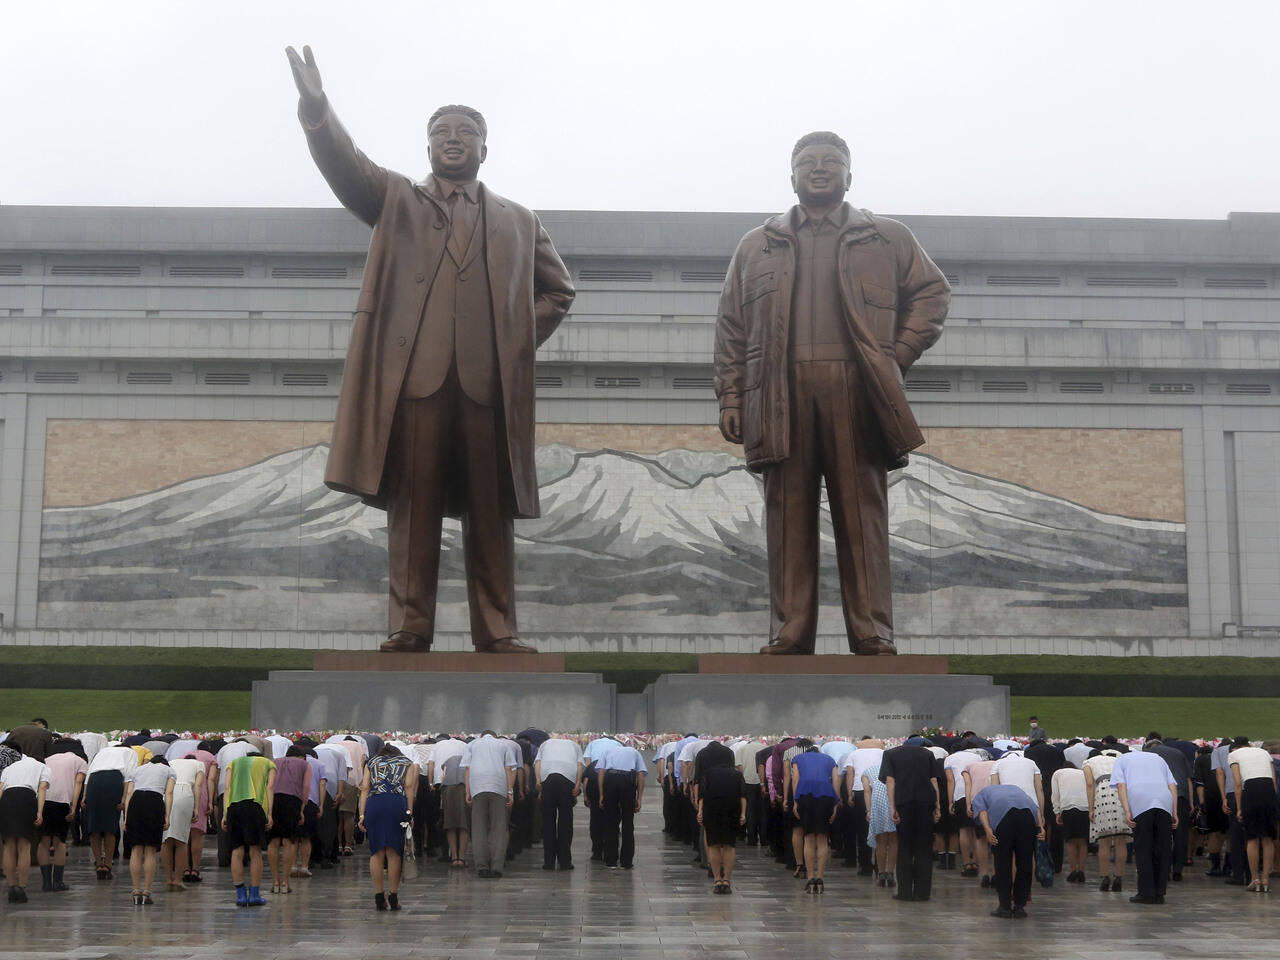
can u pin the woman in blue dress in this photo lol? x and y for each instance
(386, 808)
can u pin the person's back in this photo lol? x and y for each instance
(1017, 770)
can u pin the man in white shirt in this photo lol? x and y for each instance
(337, 767)
(1149, 794)
(1013, 768)
(490, 778)
(866, 753)
(558, 770)
(744, 758)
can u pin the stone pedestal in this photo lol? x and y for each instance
(820, 665)
(364, 660)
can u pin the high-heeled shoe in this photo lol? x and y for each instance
(379, 901)
(818, 886)
(393, 901)
(811, 886)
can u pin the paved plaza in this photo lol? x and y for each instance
(662, 908)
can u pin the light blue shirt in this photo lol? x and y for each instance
(624, 759)
(998, 799)
(675, 757)
(598, 747)
(335, 762)
(1146, 778)
(837, 750)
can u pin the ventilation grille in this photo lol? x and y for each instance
(94, 270)
(1004, 386)
(617, 276)
(953, 279)
(930, 386)
(309, 273)
(142, 377)
(610, 383)
(10, 269)
(1171, 388)
(300, 378)
(693, 383)
(702, 276)
(1248, 389)
(56, 376)
(209, 271)
(1131, 281)
(1011, 281)
(1236, 283)
(1080, 386)
(548, 381)
(226, 379)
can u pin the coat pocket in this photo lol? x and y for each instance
(752, 416)
(758, 285)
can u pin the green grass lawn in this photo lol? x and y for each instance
(74, 710)
(1190, 717)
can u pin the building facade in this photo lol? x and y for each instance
(1102, 472)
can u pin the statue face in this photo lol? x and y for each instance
(820, 175)
(455, 147)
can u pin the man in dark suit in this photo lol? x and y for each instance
(435, 417)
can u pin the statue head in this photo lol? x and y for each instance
(820, 168)
(456, 142)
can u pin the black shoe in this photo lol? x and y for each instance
(626, 866)
(1115, 884)
(484, 872)
(379, 901)
(1159, 899)
(1104, 884)
(548, 866)
(986, 881)
(1003, 913)
(1019, 913)
(1176, 877)
(1140, 899)
(393, 901)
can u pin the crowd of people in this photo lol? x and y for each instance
(1003, 812)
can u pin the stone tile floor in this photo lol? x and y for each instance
(661, 909)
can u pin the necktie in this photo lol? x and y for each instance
(458, 234)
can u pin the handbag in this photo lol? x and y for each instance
(1044, 864)
(409, 862)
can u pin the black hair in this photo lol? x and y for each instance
(471, 112)
(824, 138)
(42, 721)
(1154, 735)
(158, 758)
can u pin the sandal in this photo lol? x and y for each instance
(195, 876)
(458, 862)
(719, 887)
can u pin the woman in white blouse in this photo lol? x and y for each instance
(22, 790)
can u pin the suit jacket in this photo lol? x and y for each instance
(895, 300)
(531, 293)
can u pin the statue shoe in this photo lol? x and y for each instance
(777, 647)
(506, 645)
(405, 642)
(874, 647)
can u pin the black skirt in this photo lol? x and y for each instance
(285, 810)
(55, 822)
(1075, 824)
(1259, 808)
(720, 816)
(18, 813)
(144, 820)
(102, 792)
(815, 814)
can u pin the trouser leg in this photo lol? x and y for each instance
(416, 485)
(1004, 852)
(1024, 854)
(611, 819)
(627, 828)
(1144, 853)
(1181, 836)
(852, 462)
(791, 528)
(481, 814)
(915, 850)
(499, 821)
(1239, 859)
(1162, 850)
(865, 855)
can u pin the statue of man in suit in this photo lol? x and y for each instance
(435, 416)
(824, 308)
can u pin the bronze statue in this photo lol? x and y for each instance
(435, 416)
(823, 309)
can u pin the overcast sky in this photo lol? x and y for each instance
(1123, 109)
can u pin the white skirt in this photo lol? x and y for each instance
(184, 804)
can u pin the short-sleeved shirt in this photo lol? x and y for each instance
(231, 752)
(27, 772)
(979, 775)
(1077, 754)
(722, 783)
(92, 743)
(860, 760)
(598, 747)
(744, 756)
(316, 766)
(559, 756)
(676, 769)
(836, 749)
(997, 799)
(1177, 761)
(151, 776)
(813, 775)
(712, 755)
(1219, 761)
(488, 759)
(186, 770)
(63, 770)
(247, 779)
(912, 769)
(1146, 778)
(444, 752)
(291, 777)
(181, 748)
(1015, 769)
(1069, 791)
(957, 764)
(623, 760)
(122, 759)
(1254, 763)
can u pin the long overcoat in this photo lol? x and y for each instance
(531, 293)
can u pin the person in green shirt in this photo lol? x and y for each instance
(247, 818)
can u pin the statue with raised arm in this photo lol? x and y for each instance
(435, 415)
(824, 308)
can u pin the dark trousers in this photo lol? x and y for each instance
(557, 821)
(755, 815)
(1181, 835)
(865, 855)
(834, 436)
(619, 818)
(443, 454)
(591, 793)
(1152, 851)
(915, 850)
(1239, 856)
(670, 818)
(779, 834)
(326, 845)
(1015, 853)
